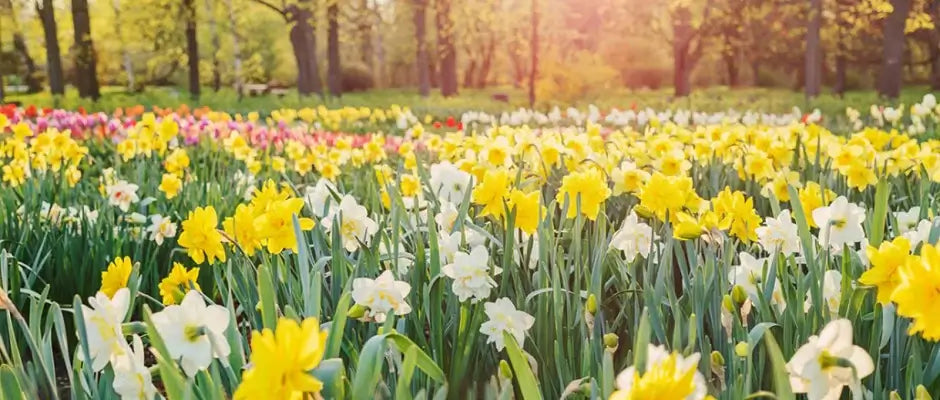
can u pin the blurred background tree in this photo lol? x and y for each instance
(584, 46)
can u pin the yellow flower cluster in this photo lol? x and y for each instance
(910, 281)
(265, 222)
(25, 154)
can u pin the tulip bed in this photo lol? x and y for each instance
(370, 253)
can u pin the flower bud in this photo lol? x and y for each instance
(742, 349)
(718, 359)
(591, 304)
(738, 295)
(504, 371)
(611, 340)
(356, 312)
(921, 393)
(727, 303)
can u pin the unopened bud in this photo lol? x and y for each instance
(921, 393)
(356, 312)
(727, 303)
(504, 371)
(738, 295)
(742, 349)
(591, 304)
(718, 359)
(611, 340)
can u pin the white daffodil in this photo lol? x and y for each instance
(193, 332)
(471, 275)
(840, 223)
(634, 238)
(132, 378)
(907, 220)
(655, 357)
(320, 197)
(921, 234)
(447, 217)
(448, 182)
(381, 296)
(353, 221)
(827, 363)
(161, 228)
(103, 326)
(831, 292)
(447, 245)
(749, 275)
(122, 195)
(779, 234)
(503, 317)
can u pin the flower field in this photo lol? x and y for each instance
(374, 253)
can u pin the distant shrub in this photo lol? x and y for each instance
(645, 78)
(566, 81)
(357, 78)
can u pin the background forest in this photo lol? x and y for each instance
(577, 48)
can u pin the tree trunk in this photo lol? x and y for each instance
(303, 41)
(53, 54)
(755, 72)
(469, 74)
(446, 50)
(435, 78)
(365, 38)
(192, 47)
(380, 67)
(732, 68)
(889, 83)
(236, 48)
(813, 83)
(486, 64)
(216, 44)
(841, 65)
(681, 59)
(33, 83)
(334, 74)
(421, 55)
(534, 51)
(85, 65)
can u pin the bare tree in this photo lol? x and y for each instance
(334, 73)
(446, 49)
(33, 83)
(192, 47)
(86, 74)
(421, 53)
(889, 83)
(46, 13)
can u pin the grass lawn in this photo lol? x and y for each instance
(708, 99)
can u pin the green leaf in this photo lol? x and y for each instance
(423, 361)
(337, 327)
(268, 297)
(641, 343)
(403, 386)
(528, 385)
(369, 368)
(778, 364)
(882, 191)
(9, 386)
(333, 375)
